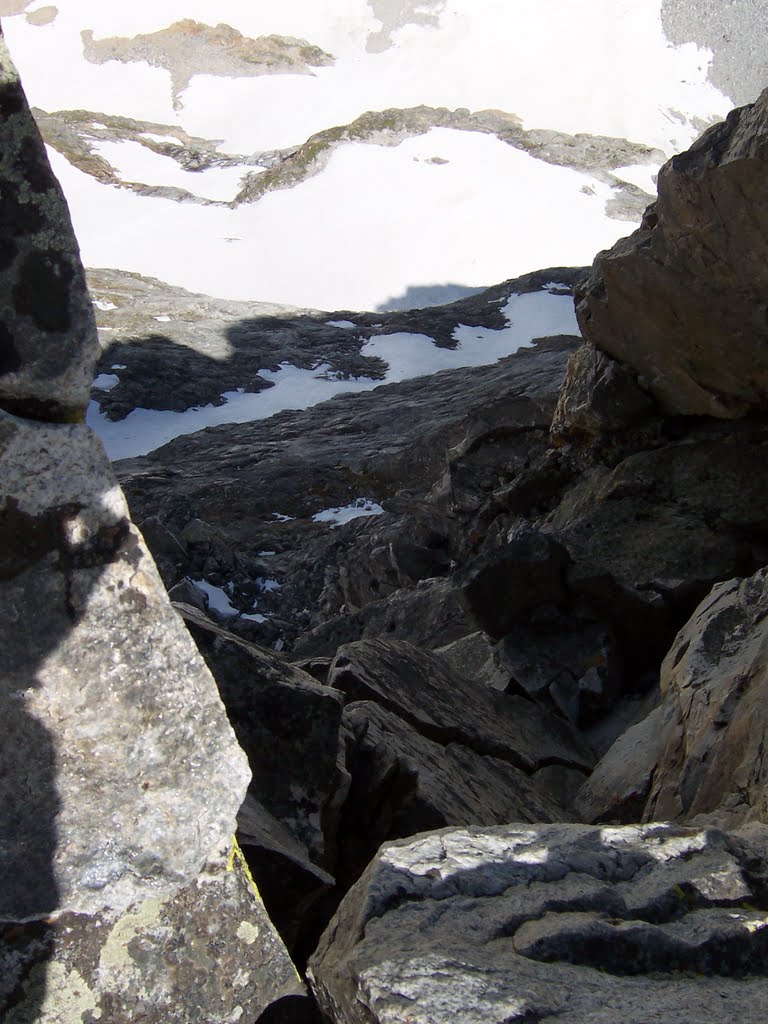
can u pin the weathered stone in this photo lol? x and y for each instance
(561, 922)
(598, 396)
(682, 300)
(526, 571)
(286, 722)
(119, 792)
(403, 783)
(207, 951)
(48, 343)
(445, 707)
(713, 687)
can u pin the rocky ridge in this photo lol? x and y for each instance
(486, 579)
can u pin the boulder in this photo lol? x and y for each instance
(403, 783)
(442, 705)
(48, 342)
(714, 688)
(568, 923)
(682, 300)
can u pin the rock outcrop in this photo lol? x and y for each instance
(682, 300)
(124, 896)
(553, 922)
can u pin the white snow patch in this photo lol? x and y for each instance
(283, 518)
(104, 305)
(137, 163)
(162, 319)
(535, 315)
(267, 554)
(217, 598)
(346, 513)
(143, 430)
(106, 381)
(269, 586)
(494, 213)
(346, 324)
(119, 366)
(254, 617)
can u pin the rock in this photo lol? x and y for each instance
(569, 665)
(124, 894)
(599, 396)
(47, 348)
(713, 689)
(525, 571)
(682, 300)
(561, 922)
(403, 783)
(445, 707)
(288, 725)
(299, 895)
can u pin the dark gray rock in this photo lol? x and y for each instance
(48, 346)
(288, 725)
(423, 690)
(403, 783)
(562, 922)
(524, 572)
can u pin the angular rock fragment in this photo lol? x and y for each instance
(568, 923)
(682, 300)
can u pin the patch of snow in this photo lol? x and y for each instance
(106, 381)
(217, 598)
(642, 175)
(535, 315)
(137, 163)
(279, 644)
(119, 366)
(162, 319)
(143, 430)
(464, 224)
(254, 617)
(346, 513)
(554, 285)
(98, 124)
(267, 554)
(269, 586)
(346, 324)
(104, 305)
(282, 518)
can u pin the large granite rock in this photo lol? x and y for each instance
(682, 300)
(48, 340)
(562, 922)
(123, 896)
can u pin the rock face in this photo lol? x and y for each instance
(120, 776)
(568, 923)
(682, 300)
(699, 755)
(47, 348)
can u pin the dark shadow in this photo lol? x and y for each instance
(419, 296)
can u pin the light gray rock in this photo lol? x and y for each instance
(48, 343)
(563, 922)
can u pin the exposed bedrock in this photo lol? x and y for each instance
(124, 896)
(682, 300)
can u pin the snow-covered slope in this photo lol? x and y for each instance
(370, 212)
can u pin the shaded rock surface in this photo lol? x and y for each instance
(509, 923)
(681, 301)
(47, 348)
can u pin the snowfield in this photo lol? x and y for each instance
(378, 221)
